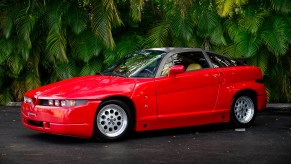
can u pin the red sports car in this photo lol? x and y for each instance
(147, 90)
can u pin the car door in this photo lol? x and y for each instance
(188, 94)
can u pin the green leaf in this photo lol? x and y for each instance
(182, 27)
(6, 48)
(260, 59)
(217, 36)
(207, 23)
(6, 23)
(56, 47)
(124, 46)
(77, 18)
(86, 46)
(91, 68)
(32, 81)
(6, 97)
(63, 71)
(136, 9)
(275, 36)
(252, 19)
(283, 6)
(24, 24)
(104, 16)
(159, 35)
(15, 63)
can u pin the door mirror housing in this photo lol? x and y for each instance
(176, 69)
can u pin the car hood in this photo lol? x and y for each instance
(86, 87)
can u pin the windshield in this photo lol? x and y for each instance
(139, 64)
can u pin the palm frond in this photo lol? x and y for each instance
(63, 70)
(207, 22)
(232, 50)
(77, 18)
(249, 44)
(136, 7)
(274, 36)
(159, 35)
(277, 79)
(31, 81)
(260, 59)
(18, 89)
(24, 23)
(126, 45)
(104, 17)
(283, 6)
(6, 48)
(15, 63)
(86, 46)
(5, 97)
(6, 23)
(56, 46)
(233, 28)
(92, 67)
(183, 6)
(217, 36)
(182, 27)
(252, 19)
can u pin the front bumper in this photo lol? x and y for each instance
(72, 121)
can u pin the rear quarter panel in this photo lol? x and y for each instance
(237, 79)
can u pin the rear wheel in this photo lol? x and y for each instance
(113, 120)
(243, 111)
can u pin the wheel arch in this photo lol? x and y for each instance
(127, 101)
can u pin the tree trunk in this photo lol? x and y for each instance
(207, 45)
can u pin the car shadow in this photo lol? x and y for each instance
(58, 139)
(182, 131)
(187, 131)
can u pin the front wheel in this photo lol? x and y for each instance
(113, 120)
(243, 111)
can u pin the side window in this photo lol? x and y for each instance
(167, 66)
(190, 60)
(220, 61)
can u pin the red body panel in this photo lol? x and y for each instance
(191, 98)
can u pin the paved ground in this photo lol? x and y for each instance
(268, 141)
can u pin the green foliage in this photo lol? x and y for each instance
(274, 36)
(6, 97)
(47, 41)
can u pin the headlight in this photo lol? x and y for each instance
(27, 100)
(63, 103)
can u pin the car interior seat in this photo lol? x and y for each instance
(193, 66)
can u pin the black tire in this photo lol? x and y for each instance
(113, 121)
(243, 110)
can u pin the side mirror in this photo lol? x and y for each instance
(176, 69)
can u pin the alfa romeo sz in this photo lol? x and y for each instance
(148, 90)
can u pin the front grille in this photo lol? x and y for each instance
(34, 123)
(44, 102)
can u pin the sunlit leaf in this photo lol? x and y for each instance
(159, 35)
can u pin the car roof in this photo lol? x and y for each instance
(174, 49)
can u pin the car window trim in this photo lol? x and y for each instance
(171, 53)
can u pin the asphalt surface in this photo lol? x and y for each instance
(267, 141)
